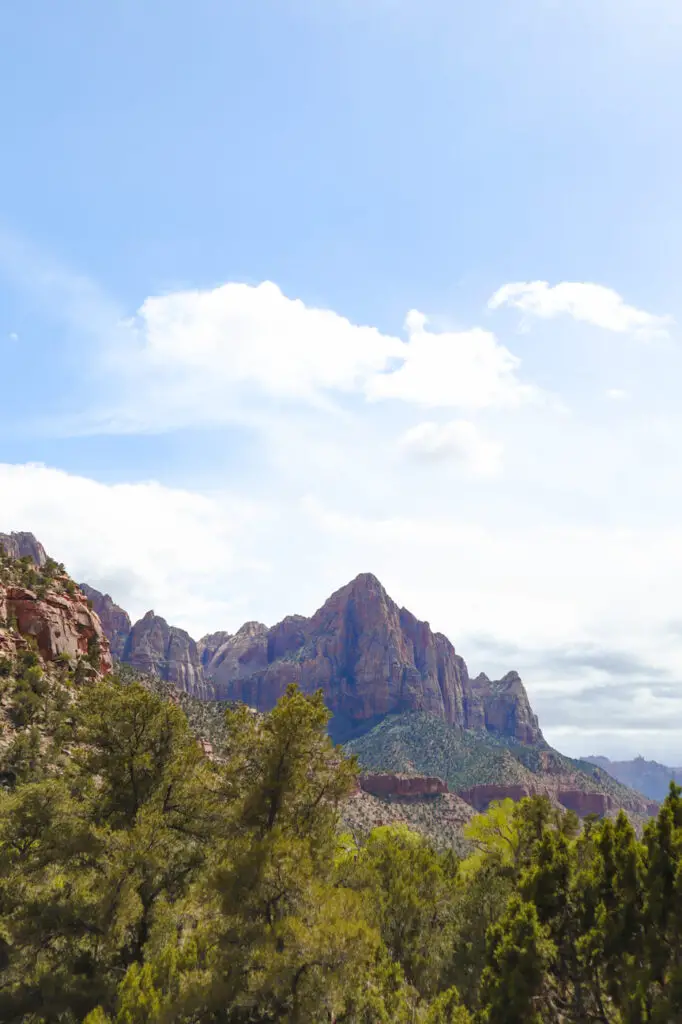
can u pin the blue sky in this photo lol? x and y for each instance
(507, 459)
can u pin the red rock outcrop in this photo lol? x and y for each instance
(480, 797)
(586, 803)
(59, 623)
(115, 621)
(23, 545)
(502, 707)
(404, 786)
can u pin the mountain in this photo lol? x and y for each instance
(150, 645)
(370, 657)
(115, 621)
(648, 777)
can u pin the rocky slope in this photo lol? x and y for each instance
(45, 606)
(481, 767)
(648, 777)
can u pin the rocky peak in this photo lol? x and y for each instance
(23, 545)
(502, 707)
(155, 648)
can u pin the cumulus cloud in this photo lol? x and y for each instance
(246, 334)
(199, 356)
(459, 440)
(453, 369)
(591, 303)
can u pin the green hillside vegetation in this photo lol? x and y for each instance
(416, 742)
(142, 882)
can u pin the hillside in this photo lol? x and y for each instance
(480, 767)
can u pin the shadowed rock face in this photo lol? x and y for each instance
(155, 648)
(115, 621)
(404, 786)
(23, 545)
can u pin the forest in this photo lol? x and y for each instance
(142, 881)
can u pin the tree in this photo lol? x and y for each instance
(518, 957)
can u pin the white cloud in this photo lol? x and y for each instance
(243, 334)
(591, 303)
(13, 336)
(458, 440)
(150, 546)
(617, 394)
(202, 356)
(453, 369)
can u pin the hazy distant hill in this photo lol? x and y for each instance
(648, 777)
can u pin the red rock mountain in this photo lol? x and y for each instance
(370, 657)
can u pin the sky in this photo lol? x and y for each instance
(292, 290)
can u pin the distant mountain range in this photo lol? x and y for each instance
(400, 695)
(648, 777)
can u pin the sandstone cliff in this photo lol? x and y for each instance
(502, 707)
(115, 621)
(406, 787)
(45, 607)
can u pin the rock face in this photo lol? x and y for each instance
(371, 658)
(502, 707)
(23, 545)
(156, 648)
(115, 621)
(403, 786)
(586, 803)
(480, 797)
(60, 624)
